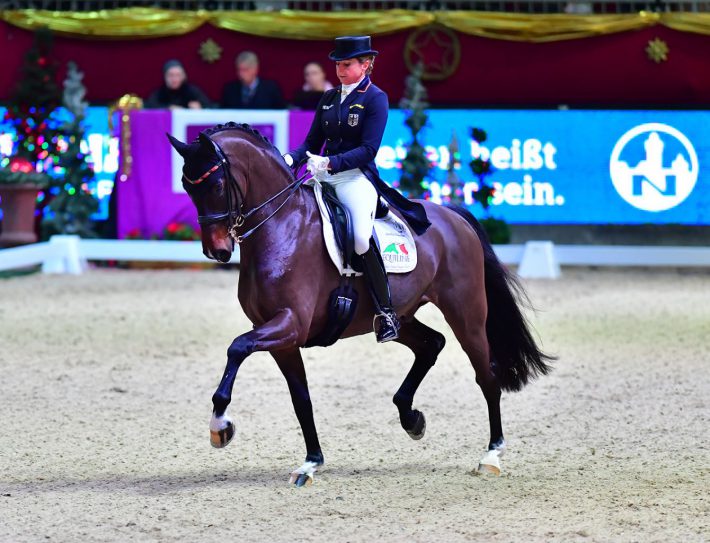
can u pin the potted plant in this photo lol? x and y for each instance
(29, 116)
(19, 185)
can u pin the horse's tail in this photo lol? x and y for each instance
(515, 357)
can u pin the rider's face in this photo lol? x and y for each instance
(351, 70)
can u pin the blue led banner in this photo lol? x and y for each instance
(574, 167)
(594, 167)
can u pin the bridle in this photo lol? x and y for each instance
(237, 217)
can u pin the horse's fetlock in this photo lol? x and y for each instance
(316, 458)
(402, 401)
(220, 402)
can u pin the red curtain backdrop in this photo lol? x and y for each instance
(609, 71)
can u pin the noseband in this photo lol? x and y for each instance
(236, 217)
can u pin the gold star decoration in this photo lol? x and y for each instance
(657, 50)
(210, 51)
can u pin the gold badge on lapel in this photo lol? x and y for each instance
(353, 119)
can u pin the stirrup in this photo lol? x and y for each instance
(388, 328)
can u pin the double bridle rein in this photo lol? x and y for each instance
(237, 217)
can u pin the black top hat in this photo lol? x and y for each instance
(352, 46)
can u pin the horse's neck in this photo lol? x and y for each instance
(264, 180)
(278, 241)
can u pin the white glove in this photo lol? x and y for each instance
(289, 160)
(317, 164)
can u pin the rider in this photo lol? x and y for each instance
(350, 120)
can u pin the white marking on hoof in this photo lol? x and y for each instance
(221, 431)
(304, 475)
(490, 463)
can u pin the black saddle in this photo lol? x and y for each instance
(343, 225)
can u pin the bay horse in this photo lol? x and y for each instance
(244, 192)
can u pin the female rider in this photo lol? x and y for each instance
(341, 147)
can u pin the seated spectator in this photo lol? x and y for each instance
(249, 91)
(176, 92)
(313, 88)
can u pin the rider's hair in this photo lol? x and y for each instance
(371, 58)
(248, 57)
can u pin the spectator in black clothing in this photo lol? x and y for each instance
(176, 92)
(249, 91)
(315, 84)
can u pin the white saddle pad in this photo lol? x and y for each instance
(397, 246)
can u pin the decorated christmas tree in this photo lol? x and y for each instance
(30, 115)
(416, 165)
(497, 229)
(452, 178)
(72, 204)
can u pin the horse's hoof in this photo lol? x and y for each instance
(303, 476)
(488, 469)
(490, 463)
(419, 429)
(301, 479)
(222, 437)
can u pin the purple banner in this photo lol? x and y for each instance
(146, 202)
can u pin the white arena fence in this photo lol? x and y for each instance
(70, 254)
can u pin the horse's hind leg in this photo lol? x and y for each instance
(467, 319)
(291, 365)
(426, 344)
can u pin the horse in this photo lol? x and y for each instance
(245, 193)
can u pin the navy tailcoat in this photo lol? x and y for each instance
(351, 133)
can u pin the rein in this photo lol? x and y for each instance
(236, 217)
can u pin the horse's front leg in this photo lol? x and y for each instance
(291, 365)
(281, 332)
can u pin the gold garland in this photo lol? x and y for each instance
(304, 25)
(124, 105)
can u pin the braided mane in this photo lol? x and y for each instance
(261, 140)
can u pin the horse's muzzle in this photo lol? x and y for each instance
(220, 255)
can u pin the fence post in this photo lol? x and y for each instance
(66, 258)
(539, 261)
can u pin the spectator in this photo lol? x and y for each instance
(176, 92)
(313, 88)
(249, 91)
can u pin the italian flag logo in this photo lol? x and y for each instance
(396, 249)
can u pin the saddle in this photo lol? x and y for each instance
(397, 248)
(343, 226)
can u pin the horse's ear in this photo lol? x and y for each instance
(182, 148)
(206, 144)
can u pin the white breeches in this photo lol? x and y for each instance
(357, 194)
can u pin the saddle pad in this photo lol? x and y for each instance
(397, 246)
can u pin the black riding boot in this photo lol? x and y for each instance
(386, 323)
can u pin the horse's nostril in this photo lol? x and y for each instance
(223, 255)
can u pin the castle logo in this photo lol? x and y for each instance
(654, 167)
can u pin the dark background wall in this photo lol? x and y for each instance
(607, 71)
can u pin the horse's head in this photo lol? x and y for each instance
(207, 180)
